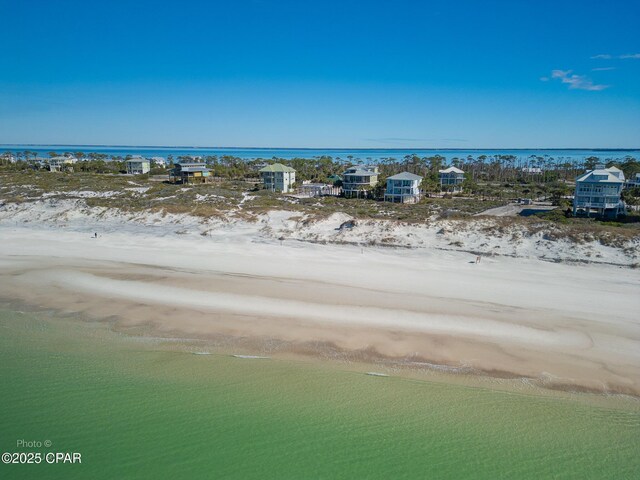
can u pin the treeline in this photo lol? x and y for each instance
(479, 171)
(497, 168)
(509, 168)
(85, 166)
(230, 167)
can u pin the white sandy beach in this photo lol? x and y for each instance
(562, 325)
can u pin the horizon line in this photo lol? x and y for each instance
(310, 148)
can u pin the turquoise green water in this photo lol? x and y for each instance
(137, 409)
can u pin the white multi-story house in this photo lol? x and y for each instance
(451, 179)
(57, 164)
(403, 188)
(598, 191)
(138, 165)
(359, 180)
(278, 177)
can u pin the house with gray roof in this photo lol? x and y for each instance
(403, 188)
(137, 165)
(451, 179)
(60, 163)
(278, 177)
(359, 180)
(190, 172)
(598, 192)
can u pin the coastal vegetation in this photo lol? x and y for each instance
(244, 199)
(495, 178)
(483, 172)
(235, 191)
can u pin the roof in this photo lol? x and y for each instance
(602, 175)
(62, 159)
(617, 172)
(405, 176)
(201, 168)
(451, 170)
(190, 164)
(277, 167)
(361, 171)
(138, 160)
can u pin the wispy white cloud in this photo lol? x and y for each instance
(576, 82)
(602, 69)
(608, 56)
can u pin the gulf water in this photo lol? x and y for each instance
(344, 154)
(134, 408)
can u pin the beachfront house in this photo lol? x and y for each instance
(138, 165)
(598, 192)
(634, 181)
(358, 181)
(189, 172)
(451, 179)
(60, 163)
(403, 188)
(278, 177)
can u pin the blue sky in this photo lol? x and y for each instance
(455, 74)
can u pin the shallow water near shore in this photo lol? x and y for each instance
(134, 409)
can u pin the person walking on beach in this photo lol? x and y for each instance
(95, 235)
(478, 259)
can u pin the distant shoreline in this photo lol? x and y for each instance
(449, 149)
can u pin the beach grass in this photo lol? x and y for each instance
(144, 193)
